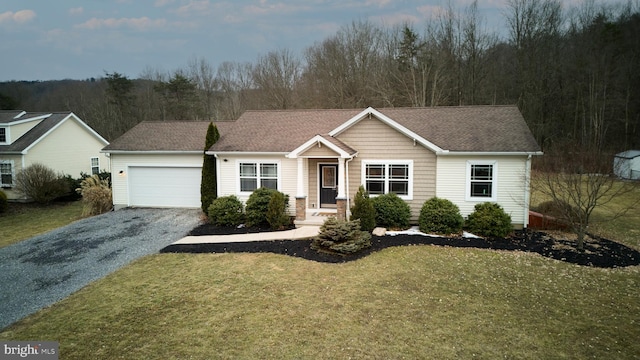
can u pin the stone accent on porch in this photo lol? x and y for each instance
(301, 208)
(341, 208)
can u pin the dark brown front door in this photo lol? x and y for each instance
(328, 185)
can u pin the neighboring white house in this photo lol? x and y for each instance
(626, 165)
(158, 164)
(468, 154)
(61, 141)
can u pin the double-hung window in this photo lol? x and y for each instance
(254, 175)
(6, 174)
(95, 165)
(383, 176)
(481, 180)
(3, 135)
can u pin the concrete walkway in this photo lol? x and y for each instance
(303, 232)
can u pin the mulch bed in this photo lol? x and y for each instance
(598, 252)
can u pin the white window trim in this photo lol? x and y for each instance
(494, 181)
(6, 135)
(13, 174)
(91, 164)
(258, 163)
(386, 163)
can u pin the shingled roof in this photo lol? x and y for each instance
(170, 136)
(453, 129)
(48, 122)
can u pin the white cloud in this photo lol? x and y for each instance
(161, 3)
(143, 23)
(76, 11)
(18, 17)
(193, 8)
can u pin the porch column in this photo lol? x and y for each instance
(341, 199)
(301, 197)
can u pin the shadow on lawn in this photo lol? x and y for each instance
(598, 252)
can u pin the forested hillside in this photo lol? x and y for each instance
(574, 73)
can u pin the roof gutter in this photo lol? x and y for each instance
(151, 152)
(243, 153)
(490, 153)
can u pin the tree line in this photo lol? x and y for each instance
(573, 72)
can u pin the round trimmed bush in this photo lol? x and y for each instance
(4, 203)
(391, 211)
(489, 220)
(440, 216)
(258, 205)
(226, 211)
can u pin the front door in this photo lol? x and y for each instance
(328, 185)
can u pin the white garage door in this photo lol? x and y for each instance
(165, 186)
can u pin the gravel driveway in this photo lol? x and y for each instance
(40, 271)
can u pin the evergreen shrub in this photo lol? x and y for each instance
(277, 216)
(489, 220)
(363, 210)
(440, 216)
(226, 211)
(257, 206)
(341, 237)
(392, 212)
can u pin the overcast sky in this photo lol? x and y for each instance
(74, 39)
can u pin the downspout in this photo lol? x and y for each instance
(346, 180)
(527, 190)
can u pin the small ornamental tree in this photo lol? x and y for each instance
(440, 216)
(208, 190)
(363, 210)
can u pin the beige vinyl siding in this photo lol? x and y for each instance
(228, 176)
(68, 149)
(121, 162)
(511, 186)
(318, 150)
(16, 131)
(375, 140)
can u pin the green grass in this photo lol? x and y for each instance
(23, 221)
(408, 302)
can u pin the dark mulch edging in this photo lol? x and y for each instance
(598, 252)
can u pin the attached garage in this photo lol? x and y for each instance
(158, 164)
(156, 186)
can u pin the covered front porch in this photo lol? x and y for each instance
(322, 180)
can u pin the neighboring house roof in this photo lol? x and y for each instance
(629, 154)
(47, 123)
(164, 136)
(442, 129)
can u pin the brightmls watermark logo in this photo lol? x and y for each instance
(39, 350)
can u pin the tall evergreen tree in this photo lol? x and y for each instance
(208, 185)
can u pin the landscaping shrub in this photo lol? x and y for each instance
(258, 205)
(489, 220)
(96, 196)
(277, 216)
(4, 203)
(226, 211)
(557, 209)
(363, 210)
(341, 237)
(391, 211)
(41, 183)
(440, 216)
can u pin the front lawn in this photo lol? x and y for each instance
(419, 301)
(23, 221)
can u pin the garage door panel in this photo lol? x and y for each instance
(164, 186)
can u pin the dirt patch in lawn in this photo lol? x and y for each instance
(598, 252)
